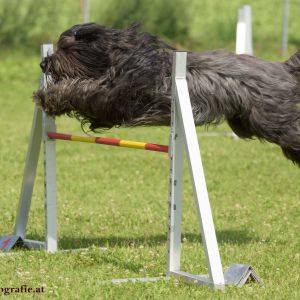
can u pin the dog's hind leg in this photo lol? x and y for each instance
(239, 128)
(292, 154)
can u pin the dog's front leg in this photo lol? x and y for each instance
(70, 95)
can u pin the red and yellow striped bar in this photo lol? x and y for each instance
(108, 141)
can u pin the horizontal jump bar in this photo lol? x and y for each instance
(108, 141)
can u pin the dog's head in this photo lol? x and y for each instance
(90, 50)
(82, 52)
(108, 77)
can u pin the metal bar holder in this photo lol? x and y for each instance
(182, 135)
(244, 31)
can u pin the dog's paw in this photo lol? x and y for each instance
(39, 97)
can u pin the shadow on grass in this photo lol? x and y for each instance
(120, 263)
(238, 237)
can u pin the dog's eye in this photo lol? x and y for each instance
(85, 36)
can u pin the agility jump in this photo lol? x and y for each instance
(182, 135)
(108, 141)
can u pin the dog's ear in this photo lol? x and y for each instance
(80, 33)
(88, 32)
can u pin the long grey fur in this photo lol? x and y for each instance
(122, 77)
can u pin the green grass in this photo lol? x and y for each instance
(116, 199)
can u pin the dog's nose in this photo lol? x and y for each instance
(43, 64)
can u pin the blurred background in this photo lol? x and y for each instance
(187, 24)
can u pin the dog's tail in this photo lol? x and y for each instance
(294, 64)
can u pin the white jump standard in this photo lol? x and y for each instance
(182, 136)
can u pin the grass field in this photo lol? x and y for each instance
(116, 199)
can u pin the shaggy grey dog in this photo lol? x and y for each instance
(122, 77)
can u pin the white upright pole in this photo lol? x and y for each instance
(285, 24)
(175, 184)
(32, 158)
(197, 174)
(85, 10)
(50, 171)
(243, 44)
(244, 31)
